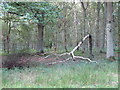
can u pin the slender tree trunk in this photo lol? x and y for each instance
(84, 27)
(4, 32)
(109, 30)
(85, 44)
(65, 40)
(75, 25)
(98, 30)
(14, 46)
(4, 43)
(55, 40)
(28, 45)
(85, 15)
(105, 20)
(90, 47)
(40, 38)
(119, 31)
(8, 37)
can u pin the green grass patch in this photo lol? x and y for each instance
(67, 75)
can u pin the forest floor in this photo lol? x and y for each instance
(37, 71)
(28, 60)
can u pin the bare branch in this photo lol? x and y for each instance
(80, 43)
(64, 54)
(72, 53)
(84, 58)
(60, 61)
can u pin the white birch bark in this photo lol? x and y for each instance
(109, 30)
(110, 51)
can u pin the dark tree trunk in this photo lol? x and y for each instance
(65, 41)
(8, 38)
(4, 42)
(55, 44)
(84, 23)
(90, 46)
(40, 38)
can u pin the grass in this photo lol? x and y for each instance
(67, 75)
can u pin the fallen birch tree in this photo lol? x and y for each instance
(73, 57)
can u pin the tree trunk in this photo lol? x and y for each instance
(4, 44)
(105, 15)
(75, 25)
(55, 41)
(40, 38)
(8, 37)
(119, 32)
(109, 30)
(84, 33)
(84, 30)
(98, 30)
(14, 46)
(65, 40)
(90, 47)
(28, 45)
(85, 16)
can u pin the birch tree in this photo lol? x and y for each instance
(109, 30)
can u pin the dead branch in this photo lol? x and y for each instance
(84, 58)
(53, 54)
(64, 54)
(72, 53)
(79, 44)
(59, 61)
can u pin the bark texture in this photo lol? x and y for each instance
(75, 25)
(105, 20)
(98, 30)
(40, 38)
(109, 30)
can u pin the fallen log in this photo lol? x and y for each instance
(73, 57)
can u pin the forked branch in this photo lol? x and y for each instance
(75, 48)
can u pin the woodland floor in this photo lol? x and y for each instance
(36, 71)
(27, 60)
